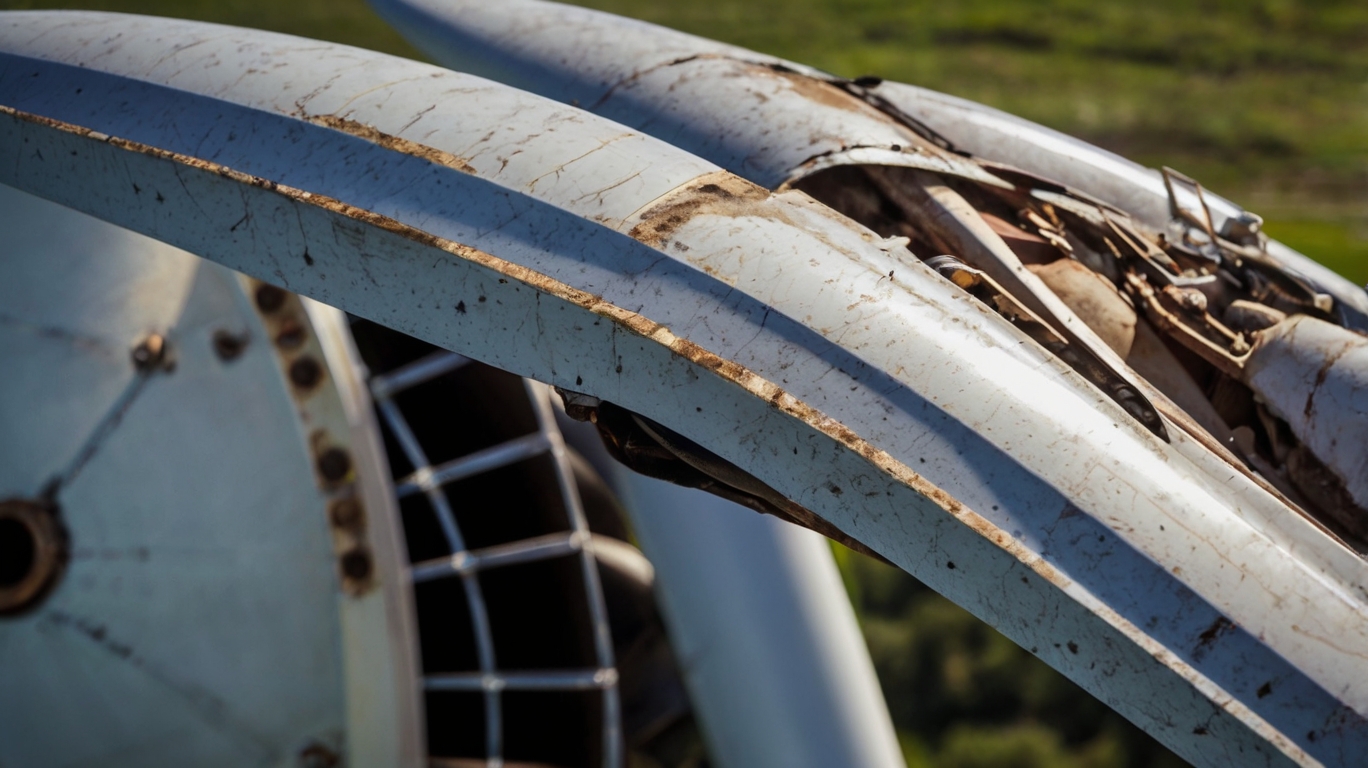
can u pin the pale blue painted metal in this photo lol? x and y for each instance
(873, 392)
(197, 622)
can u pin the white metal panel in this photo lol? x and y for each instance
(719, 101)
(841, 372)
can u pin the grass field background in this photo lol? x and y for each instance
(1265, 101)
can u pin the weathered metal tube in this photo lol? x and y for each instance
(824, 360)
(1314, 376)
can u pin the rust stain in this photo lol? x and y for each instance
(718, 191)
(728, 370)
(391, 142)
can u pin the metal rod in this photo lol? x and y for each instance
(415, 373)
(598, 610)
(479, 612)
(513, 451)
(546, 547)
(544, 680)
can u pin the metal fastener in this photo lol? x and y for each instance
(150, 353)
(269, 298)
(229, 345)
(334, 464)
(356, 564)
(305, 372)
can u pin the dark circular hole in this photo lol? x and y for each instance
(305, 372)
(291, 335)
(18, 551)
(334, 464)
(269, 298)
(228, 345)
(356, 564)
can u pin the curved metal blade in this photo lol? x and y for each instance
(823, 360)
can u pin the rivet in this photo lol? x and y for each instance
(356, 564)
(345, 513)
(229, 345)
(305, 372)
(318, 756)
(150, 353)
(334, 464)
(269, 298)
(291, 335)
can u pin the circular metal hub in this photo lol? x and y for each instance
(32, 553)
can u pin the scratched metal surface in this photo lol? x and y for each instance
(763, 326)
(760, 134)
(535, 42)
(1304, 368)
(730, 105)
(1006, 138)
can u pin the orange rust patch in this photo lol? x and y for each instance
(391, 142)
(719, 193)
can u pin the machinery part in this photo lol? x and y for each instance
(204, 580)
(1314, 376)
(914, 420)
(721, 102)
(33, 553)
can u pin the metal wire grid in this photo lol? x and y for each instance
(466, 564)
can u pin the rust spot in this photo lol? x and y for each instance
(291, 335)
(316, 755)
(334, 464)
(718, 193)
(388, 141)
(741, 191)
(346, 513)
(229, 345)
(356, 564)
(820, 91)
(305, 372)
(269, 298)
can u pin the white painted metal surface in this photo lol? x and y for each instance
(1314, 376)
(770, 120)
(830, 364)
(200, 619)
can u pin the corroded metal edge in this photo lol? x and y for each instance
(774, 399)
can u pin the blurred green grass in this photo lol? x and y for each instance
(1266, 101)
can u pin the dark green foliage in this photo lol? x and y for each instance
(964, 696)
